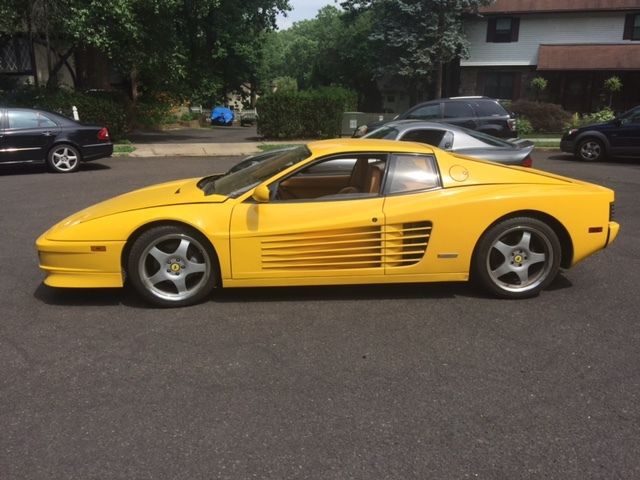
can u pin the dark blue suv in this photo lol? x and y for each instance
(619, 137)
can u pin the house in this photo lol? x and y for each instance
(574, 44)
(24, 62)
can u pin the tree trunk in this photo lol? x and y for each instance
(32, 50)
(438, 80)
(133, 78)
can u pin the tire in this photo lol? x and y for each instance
(590, 150)
(171, 266)
(517, 258)
(64, 158)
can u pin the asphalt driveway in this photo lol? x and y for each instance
(367, 382)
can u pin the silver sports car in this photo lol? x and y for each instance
(459, 140)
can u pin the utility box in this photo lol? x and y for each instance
(351, 121)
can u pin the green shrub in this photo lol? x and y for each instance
(544, 117)
(524, 126)
(306, 114)
(601, 116)
(189, 116)
(152, 114)
(539, 85)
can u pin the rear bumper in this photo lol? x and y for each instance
(96, 151)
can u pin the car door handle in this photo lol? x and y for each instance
(47, 134)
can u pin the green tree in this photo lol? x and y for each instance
(418, 37)
(539, 85)
(332, 49)
(612, 85)
(185, 47)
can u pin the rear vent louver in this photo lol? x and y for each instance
(346, 249)
(406, 243)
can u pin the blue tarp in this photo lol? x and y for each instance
(221, 116)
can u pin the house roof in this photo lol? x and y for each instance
(546, 6)
(589, 57)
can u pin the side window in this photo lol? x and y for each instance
(45, 122)
(458, 110)
(487, 108)
(632, 117)
(410, 173)
(423, 135)
(503, 29)
(428, 112)
(24, 119)
(345, 178)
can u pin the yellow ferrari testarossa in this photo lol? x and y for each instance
(335, 212)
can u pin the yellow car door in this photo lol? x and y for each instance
(325, 221)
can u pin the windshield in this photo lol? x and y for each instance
(235, 183)
(389, 133)
(629, 115)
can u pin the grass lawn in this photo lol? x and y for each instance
(123, 148)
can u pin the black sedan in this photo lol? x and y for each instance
(37, 136)
(459, 140)
(619, 137)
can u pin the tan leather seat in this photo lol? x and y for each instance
(365, 178)
(374, 179)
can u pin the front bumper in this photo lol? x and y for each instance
(567, 146)
(80, 264)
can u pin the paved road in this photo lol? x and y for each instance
(394, 382)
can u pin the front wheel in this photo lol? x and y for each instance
(591, 150)
(517, 258)
(63, 159)
(171, 266)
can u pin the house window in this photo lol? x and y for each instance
(15, 57)
(632, 27)
(498, 85)
(503, 29)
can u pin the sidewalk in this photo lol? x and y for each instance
(204, 149)
(194, 149)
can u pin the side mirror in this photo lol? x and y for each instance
(261, 194)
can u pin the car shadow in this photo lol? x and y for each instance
(128, 297)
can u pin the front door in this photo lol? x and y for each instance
(625, 140)
(324, 221)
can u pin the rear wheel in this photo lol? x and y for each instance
(172, 266)
(591, 150)
(64, 158)
(517, 258)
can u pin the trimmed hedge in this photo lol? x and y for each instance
(544, 117)
(306, 114)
